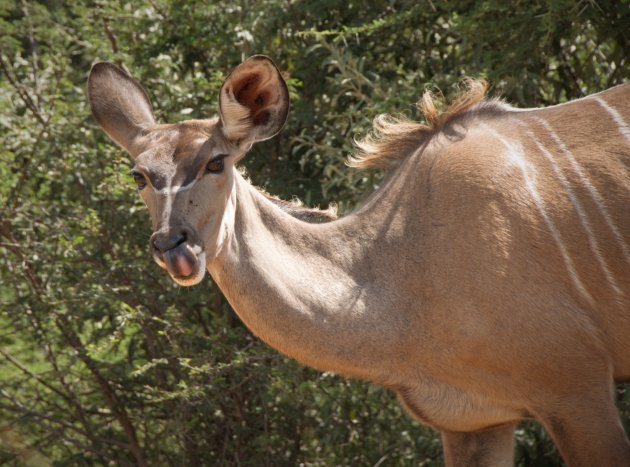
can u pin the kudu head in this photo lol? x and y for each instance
(185, 172)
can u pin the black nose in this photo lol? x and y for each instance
(164, 241)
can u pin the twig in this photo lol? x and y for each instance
(34, 53)
(110, 36)
(109, 394)
(16, 363)
(62, 323)
(24, 95)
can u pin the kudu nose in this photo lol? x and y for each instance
(164, 241)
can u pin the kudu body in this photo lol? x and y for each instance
(486, 281)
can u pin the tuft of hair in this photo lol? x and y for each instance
(237, 118)
(394, 137)
(296, 208)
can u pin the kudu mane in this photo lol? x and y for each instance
(296, 208)
(393, 137)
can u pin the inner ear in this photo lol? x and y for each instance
(254, 101)
(250, 92)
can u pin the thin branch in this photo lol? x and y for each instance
(34, 53)
(18, 408)
(24, 95)
(108, 392)
(16, 363)
(69, 397)
(64, 326)
(32, 278)
(110, 36)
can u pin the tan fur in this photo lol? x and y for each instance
(394, 137)
(486, 281)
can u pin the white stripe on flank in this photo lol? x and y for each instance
(595, 195)
(583, 216)
(621, 124)
(516, 155)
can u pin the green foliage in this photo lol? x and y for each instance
(102, 359)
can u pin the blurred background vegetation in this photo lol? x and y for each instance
(103, 360)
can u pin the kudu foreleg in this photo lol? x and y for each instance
(493, 447)
(590, 434)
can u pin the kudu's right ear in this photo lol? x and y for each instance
(120, 105)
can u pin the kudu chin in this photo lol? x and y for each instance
(486, 281)
(179, 251)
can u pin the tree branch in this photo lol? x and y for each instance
(110, 36)
(24, 95)
(34, 53)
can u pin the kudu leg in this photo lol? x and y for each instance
(589, 435)
(493, 447)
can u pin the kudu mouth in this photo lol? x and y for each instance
(180, 254)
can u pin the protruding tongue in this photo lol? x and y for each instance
(185, 269)
(180, 261)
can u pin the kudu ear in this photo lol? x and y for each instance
(254, 101)
(120, 105)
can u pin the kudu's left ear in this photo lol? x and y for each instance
(120, 105)
(254, 101)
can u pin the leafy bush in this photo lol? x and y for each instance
(102, 359)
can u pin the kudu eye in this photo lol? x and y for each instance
(140, 180)
(215, 166)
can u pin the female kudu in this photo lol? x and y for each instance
(486, 281)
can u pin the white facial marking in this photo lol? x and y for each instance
(173, 190)
(597, 198)
(169, 192)
(621, 124)
(582, 214)
(168, 202)
(516, 155)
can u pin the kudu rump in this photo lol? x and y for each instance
(486, 281)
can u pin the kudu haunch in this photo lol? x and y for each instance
(486, 281)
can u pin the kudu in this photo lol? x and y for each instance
(486, 281)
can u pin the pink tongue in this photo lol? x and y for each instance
(183, 266)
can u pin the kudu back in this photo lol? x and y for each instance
(486, 281)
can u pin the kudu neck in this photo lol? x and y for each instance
(308, 290)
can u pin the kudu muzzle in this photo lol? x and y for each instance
(174, 248)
